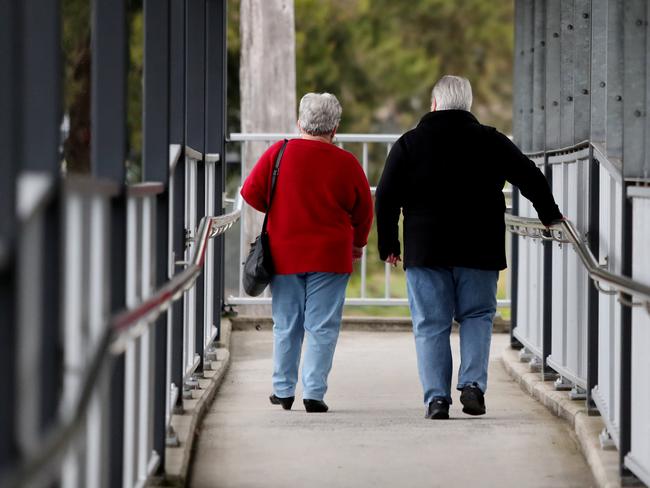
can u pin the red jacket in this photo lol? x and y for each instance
(321, 207)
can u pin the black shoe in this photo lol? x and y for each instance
(315, 406)
(438, 409)
(473, 400)
(285, 402)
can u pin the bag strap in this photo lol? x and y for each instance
(274, 178)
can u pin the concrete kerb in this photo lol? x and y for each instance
(603, 463)
(365, 324)
(186, 425)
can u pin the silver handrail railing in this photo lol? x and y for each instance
(565, 232)
(121, 329)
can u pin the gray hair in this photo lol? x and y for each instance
(319, 114)
(452, 93)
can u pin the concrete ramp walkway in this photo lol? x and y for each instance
(375, 434)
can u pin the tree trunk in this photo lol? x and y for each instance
(267, 80)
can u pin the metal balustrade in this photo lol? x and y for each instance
(638, 459)
(365, 141)
(575, 267)
(92, 338)
(110, 293)
(580, 107)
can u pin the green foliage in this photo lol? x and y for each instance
(382, 57)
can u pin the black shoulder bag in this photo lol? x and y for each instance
(258, 267)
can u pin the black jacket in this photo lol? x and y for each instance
(447, 177)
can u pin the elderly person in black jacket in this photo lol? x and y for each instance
(447, 177)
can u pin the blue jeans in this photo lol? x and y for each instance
(311, 303)
(436, 296)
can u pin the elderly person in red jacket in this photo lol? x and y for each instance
(319, 221)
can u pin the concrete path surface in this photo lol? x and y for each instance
(375, 434)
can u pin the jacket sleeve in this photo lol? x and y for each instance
(525, 175)
(361, 215)
(255, 190)
(389, 201)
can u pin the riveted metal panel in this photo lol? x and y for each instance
(553, 76)
(527, 77)
(582, 77)
(615, 61)
(539, 54)
(598, 70)
(567, 60)
(634, 116)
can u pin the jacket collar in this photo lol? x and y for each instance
(445, 117)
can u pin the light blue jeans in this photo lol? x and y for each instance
(311, 303)
(436, 296)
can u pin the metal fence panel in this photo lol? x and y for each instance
(638, 460)
(605, 394)
(569, 353)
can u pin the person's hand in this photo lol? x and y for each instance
(357, 252)
(557, 221)
(393, 260)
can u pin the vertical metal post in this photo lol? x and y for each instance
(517, 117)
(42, 116)
(156, 168)
(547, 311)
(195, 133)
(592, 294)
(108, 154)
(10, 126)
(634, 107)
(625, 408)
(215, 130)
(177, 136)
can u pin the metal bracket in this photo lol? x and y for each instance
(212, 157)
(535, 364)
(577, 393)
(562, 384)
(188, 237)
(525, 356)
(228, 311)
(628, 303)
(171, 437)
(606, 441)
(192, 383)
(603, 290)
(211, 353)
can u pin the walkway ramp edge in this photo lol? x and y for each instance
(187, 422)
(603, 463)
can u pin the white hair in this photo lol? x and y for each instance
(319, 114)
(452, 93)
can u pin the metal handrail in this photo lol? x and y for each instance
(564, 231)
(125, 322)
(121, 328)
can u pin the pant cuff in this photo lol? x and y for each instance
(312, 396)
